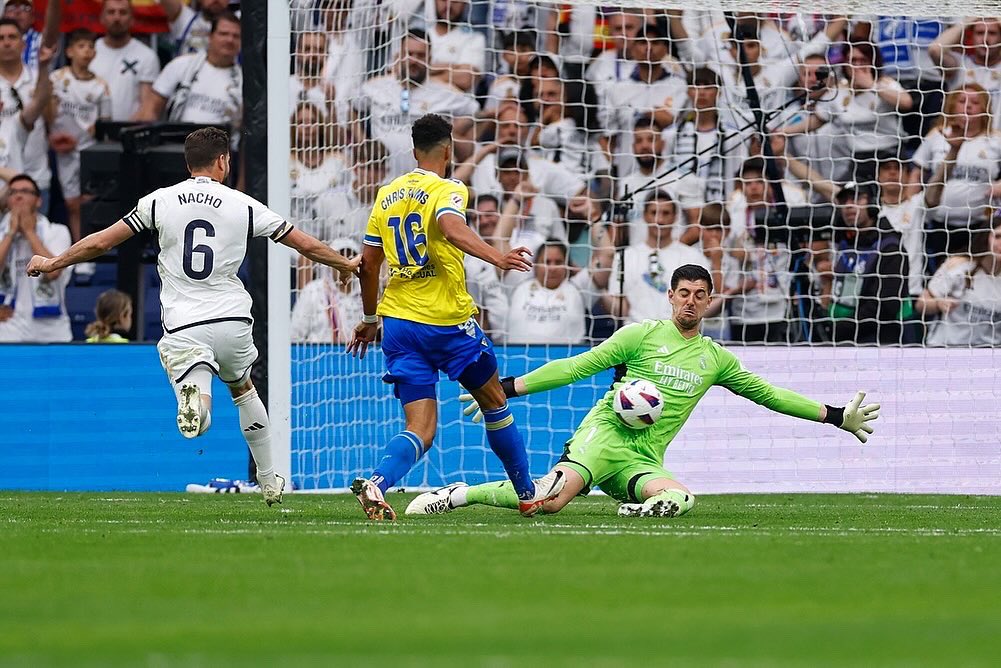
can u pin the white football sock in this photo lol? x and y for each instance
(256, 430)
(458, 497)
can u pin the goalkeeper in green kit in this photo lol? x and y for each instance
(628, 464)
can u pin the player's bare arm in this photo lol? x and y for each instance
(88, 248)
(317, 251)
(459, 235)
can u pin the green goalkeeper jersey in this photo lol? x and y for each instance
(683, 370)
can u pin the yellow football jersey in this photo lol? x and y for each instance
(427, 279)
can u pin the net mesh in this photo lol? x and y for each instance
(836, 172)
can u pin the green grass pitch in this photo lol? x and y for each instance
(118, 579)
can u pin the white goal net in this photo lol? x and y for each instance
(837, 169)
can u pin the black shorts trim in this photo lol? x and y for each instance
(215, 371)
(566, 459)
(249, 321)
(631, 486)
(245, 374)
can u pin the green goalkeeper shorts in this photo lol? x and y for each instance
(602, 455)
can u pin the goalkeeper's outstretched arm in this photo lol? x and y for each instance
(852, 418)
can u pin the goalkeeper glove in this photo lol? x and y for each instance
(507, 384)
(854, 417)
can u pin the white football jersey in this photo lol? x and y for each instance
(203, 229)
(81, 102)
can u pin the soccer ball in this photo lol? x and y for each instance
(638, 404)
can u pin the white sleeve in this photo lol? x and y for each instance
(166, 83)
(949, 280)
(559, 183)
(267, 223)
(180, 25)
(149, 67)
(923, 155)
(475, 51)
(143, 216)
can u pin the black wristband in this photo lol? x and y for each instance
(835, 416)
(507, 384)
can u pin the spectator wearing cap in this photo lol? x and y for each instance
(390, 104)
(648, 267)
(480, 171)
(458, 54)
(869, 299)
(549, 307)
(127, 65)
(326, 310)
(32, 309)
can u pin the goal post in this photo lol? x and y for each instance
(806, 185)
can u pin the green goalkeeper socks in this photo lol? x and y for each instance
(497, 494)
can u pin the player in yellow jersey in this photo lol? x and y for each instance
(418, 225)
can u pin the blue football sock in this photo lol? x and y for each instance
(400, 455)
(506, 442)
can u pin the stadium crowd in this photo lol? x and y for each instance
(839, 176)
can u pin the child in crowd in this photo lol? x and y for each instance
(114, 318)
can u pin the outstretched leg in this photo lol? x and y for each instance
(662, 497)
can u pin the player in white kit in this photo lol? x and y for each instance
(203, 229)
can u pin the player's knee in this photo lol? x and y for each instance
(241, 388)
(248, 395)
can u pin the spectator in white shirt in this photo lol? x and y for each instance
(966, 293)
(513, 76)
(308, 84)
(18, 83)
(963, 158)
(648, 267)
(685, 189)
(127, 65)
(390, 103)
(32, 310)
(189, 28)
(16, 124)
(316, 167)
(978, 61)
(562, 135)
(458, 54)
(23, 11)
(343, 211)
(549, 308)
(204, 87)
(327, 310)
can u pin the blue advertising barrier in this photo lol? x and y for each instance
(102, 417)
